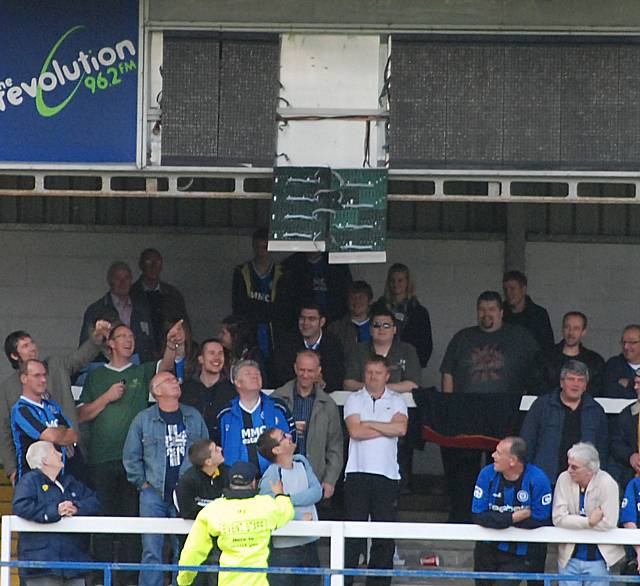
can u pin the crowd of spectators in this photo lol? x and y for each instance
(161, 417)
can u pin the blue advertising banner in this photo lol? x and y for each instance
(68, 81)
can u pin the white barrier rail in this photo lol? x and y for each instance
(610, 406)
(337, 531)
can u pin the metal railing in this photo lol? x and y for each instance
(336, 531)
(416, 185)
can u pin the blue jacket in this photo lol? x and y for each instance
(144, 455)
(36, 498)
(495, 500)
(273, 413)
(542, 430)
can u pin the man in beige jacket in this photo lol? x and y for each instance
(586, 498)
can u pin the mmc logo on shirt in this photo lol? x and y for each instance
(250, 435)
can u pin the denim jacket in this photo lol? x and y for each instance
(144, 455)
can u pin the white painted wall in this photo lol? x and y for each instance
(49, 276)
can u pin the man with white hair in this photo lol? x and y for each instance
(244, 418)
(44, 496)
(586, 498)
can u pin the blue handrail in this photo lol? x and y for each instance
(109, 568)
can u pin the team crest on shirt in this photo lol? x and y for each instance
(522, 496)
(546, 499)
(477, 492)
(624, 503)
(638, 507)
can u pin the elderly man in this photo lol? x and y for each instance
(120, 305)
(620, 369)
(242, 522)
(586, 497)
(245, 417)
(19, 347)
(562, 418)
(510, 493)
(34, 417)
(317, 420)
(375, 417)
(45, 496)
(155, 455)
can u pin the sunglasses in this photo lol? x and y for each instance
(383, 325)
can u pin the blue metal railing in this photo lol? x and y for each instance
(326, 573)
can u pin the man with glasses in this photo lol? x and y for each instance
(111, 397)
(620, 370)
(310, 336)
(402, 359)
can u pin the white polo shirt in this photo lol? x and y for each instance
(378, 455)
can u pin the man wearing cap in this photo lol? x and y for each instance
(242, 521)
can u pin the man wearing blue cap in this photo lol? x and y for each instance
(242, 521)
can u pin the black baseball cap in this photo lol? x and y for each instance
(242, 473)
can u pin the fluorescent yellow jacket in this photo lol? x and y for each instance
(243, 528)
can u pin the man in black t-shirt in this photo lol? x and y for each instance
(492, 357)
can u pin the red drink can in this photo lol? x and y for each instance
(430, 559)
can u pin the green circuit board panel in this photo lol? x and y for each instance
(341, 211)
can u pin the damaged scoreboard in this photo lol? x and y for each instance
(339, 211)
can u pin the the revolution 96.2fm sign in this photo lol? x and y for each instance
(68, 81)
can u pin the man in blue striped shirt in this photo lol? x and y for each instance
(36, 417)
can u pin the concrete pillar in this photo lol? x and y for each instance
(516, 238)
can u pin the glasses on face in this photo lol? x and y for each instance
(381, 324)
(284, 437)
(575, 467)
(629, 342)
(125, 336)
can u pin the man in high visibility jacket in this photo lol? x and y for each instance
(242, 521)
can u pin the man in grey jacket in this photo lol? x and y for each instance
(19, 347)
(318, 426)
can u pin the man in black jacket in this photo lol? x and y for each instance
(574, 329)
(311, 336)
(519, 309)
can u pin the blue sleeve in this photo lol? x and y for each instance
(541, 498)
(132, 455)
(310, 495)
(86, 499)
(270, 475)
(629, 507)
(32, 502)
(23, 419)
(480, 502)
(284, 419)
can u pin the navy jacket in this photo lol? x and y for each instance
(542, 430)
(141, 323)
(36, 498)
(616, 368)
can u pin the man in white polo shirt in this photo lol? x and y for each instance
(375, 417)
